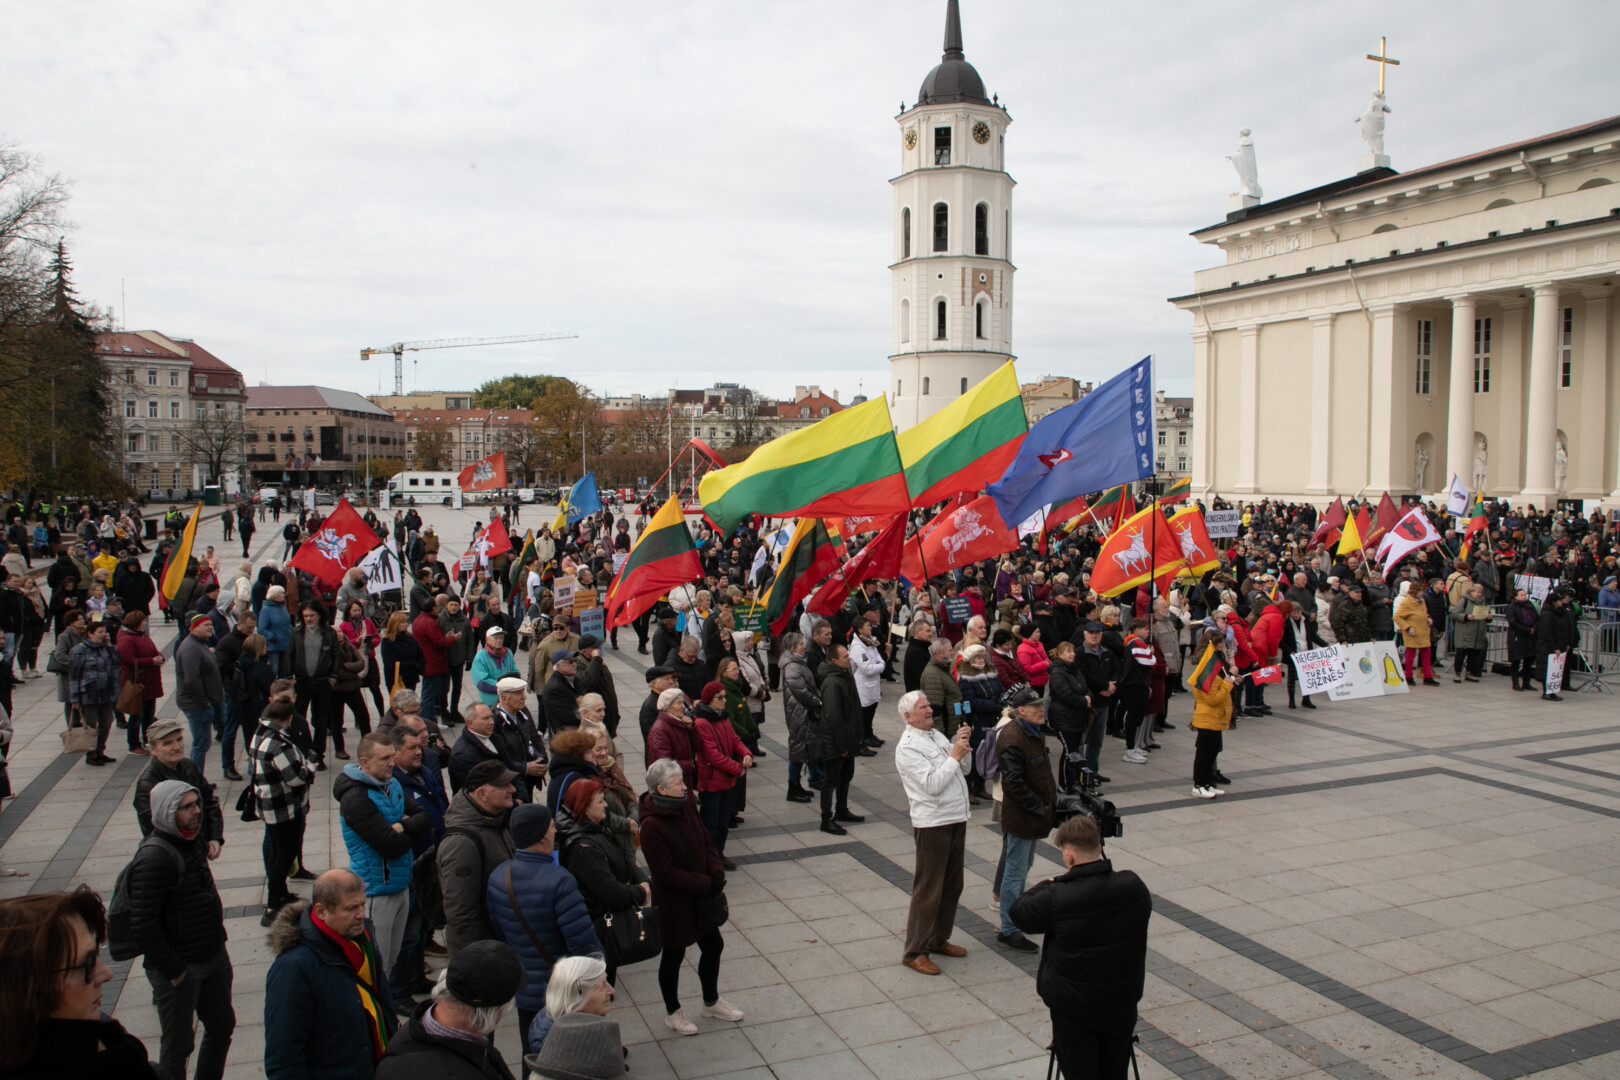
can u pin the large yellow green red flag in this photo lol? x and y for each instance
(174, 571)
(968, 444)
(663, 557)
(845, 464)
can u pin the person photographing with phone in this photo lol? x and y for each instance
(934, 771)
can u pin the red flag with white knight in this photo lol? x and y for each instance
(879, 559)
(968, 534)
(340, 542)
(486, 475)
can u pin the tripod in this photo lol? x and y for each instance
(1054, 1073)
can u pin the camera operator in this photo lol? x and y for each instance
(1094, 957)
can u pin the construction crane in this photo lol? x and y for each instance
(400, 348)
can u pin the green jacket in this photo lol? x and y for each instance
(841, 729)
(943, 694)
(1467, 632)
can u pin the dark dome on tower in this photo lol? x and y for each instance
(954, 79)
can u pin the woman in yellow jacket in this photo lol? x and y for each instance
(1412, 620)
(1212, 711)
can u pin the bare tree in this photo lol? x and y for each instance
(525, 448)
(216, 442)
(434, 448)
(641, 430)
(746, 420)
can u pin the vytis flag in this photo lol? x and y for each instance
(1203, 675)
(522, 560)
(1477, 522)
(1331, 521)
(486, 475)
(340, 542)
(663, 557)
(877, 560)
(1105, 438)
(1133, 553)
(1354, 530)
(806, 561)
(1383, 521)
(493, 541)
(967, 444)
(1196, 550)
(845, 464)
(966, 535)
(1263, 675)
(174, 571)
(1178, 490)
(1412, 532)
(851, 527)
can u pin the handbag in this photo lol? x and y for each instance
(129, 698)
(631, 936)
(78, 738)
(247, 804)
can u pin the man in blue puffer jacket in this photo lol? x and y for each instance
(551, 903)
(379, 822)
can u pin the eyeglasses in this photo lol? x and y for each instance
(86, 969)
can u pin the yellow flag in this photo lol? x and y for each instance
(1351, 540)
(175, 572)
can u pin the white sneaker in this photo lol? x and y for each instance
(1215, 791)
(679, 1024)
(722, 1010)
(1203, 793)
(1136, 757)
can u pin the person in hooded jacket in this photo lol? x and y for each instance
(177, 918)
(275, 626)
(135, 587)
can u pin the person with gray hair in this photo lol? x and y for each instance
(448, 1036)
(933, 771)
(689, 670)
(577, 984)
(939, 685)
(673, 735)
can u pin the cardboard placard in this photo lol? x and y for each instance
(584, 600)
(1320, 670)
(381, 567)
(562, 592)
(1222, 524)
(1372, 669)
(1555, 673)
(750, 617)
(619, 559)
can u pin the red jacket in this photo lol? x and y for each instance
(139, 657)
(1244, 657)
(1032, 657)
(721, 763)
(670, 738)
(435, 645)
(1267, 634)
(1008, 669)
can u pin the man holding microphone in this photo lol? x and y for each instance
(934, 773)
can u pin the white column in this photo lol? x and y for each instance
(1541, 415)
(1321, 474)
(1387, 469)
(1586, 476)
(1203, 447)
(1460, 404)
(1248, 411)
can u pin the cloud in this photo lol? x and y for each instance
(700, 190)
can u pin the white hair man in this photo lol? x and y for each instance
(454, 1025)
(933, 770)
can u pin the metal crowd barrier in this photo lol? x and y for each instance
(1596, 658)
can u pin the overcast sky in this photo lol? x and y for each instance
(700, 189)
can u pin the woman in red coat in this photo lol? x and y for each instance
(725, 759)
(686, 870)
(1264, 639)
(141, 661)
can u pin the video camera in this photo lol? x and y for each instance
(1076, 799)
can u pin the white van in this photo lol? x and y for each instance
(424, 488)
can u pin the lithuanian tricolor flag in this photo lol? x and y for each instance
(521, 561)
(968, 444)
(174, 571)
(1204, 673)
(1178, 490)
(809, 558)
(662, 558)
(1478, 521)
(1113, 507)
(845, 464)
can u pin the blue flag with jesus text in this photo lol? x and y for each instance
(1104, 439)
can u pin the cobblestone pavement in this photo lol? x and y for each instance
(1424, 885)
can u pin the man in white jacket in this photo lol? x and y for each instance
(934, 772)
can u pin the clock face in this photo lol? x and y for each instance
(981, 132)
(911, 138)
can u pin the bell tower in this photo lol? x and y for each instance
(952, 269)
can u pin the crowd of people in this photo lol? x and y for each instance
(517, 850)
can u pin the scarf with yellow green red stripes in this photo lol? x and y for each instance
(362, 957)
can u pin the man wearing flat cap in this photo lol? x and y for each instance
(517, 736)
(476, 841)
(448, 1036)
(659, 678)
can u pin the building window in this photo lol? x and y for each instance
(942, 227)
(963, 389)
(1162, 436)
(978, 321)
(939, 320)
(134, 444)
(1566, 347)
(151, 376)
(1181, 464)
(151, 444)
(174, 410)
(942, 146)
(1482, 356)
(1181, 437)
(1161, 464)
(905, 233)
(174, 377)
(897, 384)
(1424, 361)
(905, 320)
(151, 409)
(925, 386)
(981, 229)
(129, 408)
(174, 444)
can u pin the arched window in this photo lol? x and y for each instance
(981, 229)
(939, 320)
(1596, 181)
(964, 385)
(905, 320)
(978, 321)
(1497, 204)
(1386, 227)
(905, 233)
(925, 386)
(942, 226)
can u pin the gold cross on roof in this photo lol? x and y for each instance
(1383, 61)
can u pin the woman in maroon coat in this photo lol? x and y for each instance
(673, 735)
(140, 660)
(685, 869)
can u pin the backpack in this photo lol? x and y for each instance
(121, 943)
(986, 761)
(425, 878)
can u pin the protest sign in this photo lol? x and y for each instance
(1371, 670)
(468, 561)
(619, 559)
(584, 600)
(562, 592)
(750, 617)
(1555, 673)
(592, 622)
(1319, 670)
(1222, 524)
(1537, 587)
(957, 609)
(381, 567)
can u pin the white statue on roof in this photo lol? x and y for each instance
(1372, 124)
(1243, 161)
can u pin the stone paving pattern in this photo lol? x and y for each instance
(1426, 885)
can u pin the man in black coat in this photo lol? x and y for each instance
(922, 636)
(659, 679)
(559, 706)
(1555, 633)
(484, 976)
(1094, 954)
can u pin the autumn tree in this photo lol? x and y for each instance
(512, 391)
(435, 446)
(525, 448)
(568, 424)
(643, 429)
(382, 468)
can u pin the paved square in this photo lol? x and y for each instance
(1421, 885)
